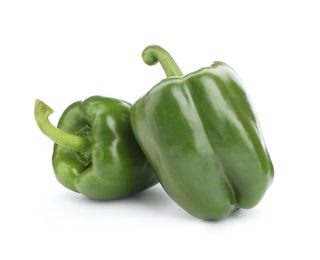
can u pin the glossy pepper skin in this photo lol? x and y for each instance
(95, 152)
(202, 138)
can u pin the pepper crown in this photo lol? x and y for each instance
(77, 143)
(154, 53)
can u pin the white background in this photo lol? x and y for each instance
(63, 51)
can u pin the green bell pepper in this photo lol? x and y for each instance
(202, 138)
(95, 152)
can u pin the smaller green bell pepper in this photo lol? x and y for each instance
(95, 152)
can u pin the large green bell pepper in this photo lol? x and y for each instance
(95, 152)
(202, 138)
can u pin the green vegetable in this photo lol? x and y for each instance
(95, 152)
(202, 138)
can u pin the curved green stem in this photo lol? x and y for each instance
(153, 54)
(41, 112)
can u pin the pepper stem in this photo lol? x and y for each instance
(153, 54)
(41, 112)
